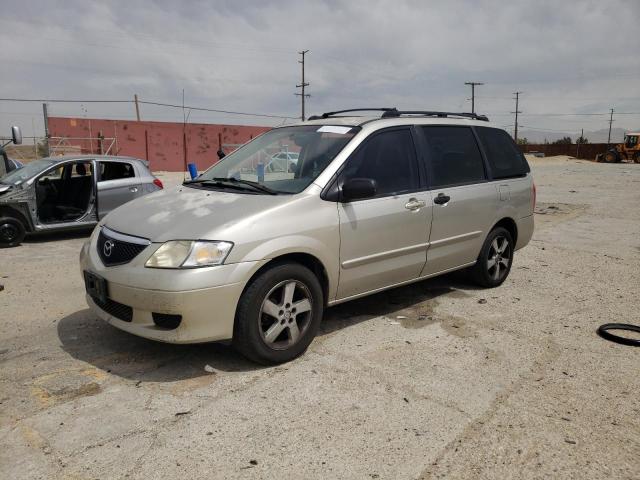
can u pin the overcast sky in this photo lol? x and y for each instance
(566, 56)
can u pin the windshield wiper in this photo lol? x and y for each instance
(214, 183)
(232, 183)
(255, 185)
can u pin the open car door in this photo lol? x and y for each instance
(66, 195)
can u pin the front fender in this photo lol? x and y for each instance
(326, 252)
(19, 210)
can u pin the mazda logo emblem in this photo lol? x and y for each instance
(107, 249)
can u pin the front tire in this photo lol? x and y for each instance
(12, 232)
(496, 257)
(278, 314)
(636, 157)
(612, 156)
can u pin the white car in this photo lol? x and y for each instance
(282, 162)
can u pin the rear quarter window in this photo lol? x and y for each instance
(505, 160)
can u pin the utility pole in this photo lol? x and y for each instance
(303, 84)
(515, 130)
(45, 113)
(580, 140)
(35, 143)
(610, 122)
(473, 94)
(135, 99)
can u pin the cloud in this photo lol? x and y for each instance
(567, 57)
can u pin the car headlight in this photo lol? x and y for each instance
(189, 254)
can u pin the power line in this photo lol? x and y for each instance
(56, 100)
(581, 114)
(544, 97)
(229, 112)
(548, 129)
(562, 114)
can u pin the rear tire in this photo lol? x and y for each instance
(636, 157)
(496, 257)
(278, 314)
(12, 232)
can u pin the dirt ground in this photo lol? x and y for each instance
(434, 380)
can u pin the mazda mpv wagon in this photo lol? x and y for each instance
(254, 257)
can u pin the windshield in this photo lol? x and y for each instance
(25, 173)
(285, 160)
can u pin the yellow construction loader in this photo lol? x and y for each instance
(629, 150)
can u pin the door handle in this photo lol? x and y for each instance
(415, 204)
(442, 199)
(133, 189)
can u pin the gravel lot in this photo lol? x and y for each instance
(438, 379)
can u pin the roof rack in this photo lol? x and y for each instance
(427, 113)
(333, 114)
(391, 112)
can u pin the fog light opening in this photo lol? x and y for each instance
(166, 321)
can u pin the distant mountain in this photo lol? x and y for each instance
(596, 136)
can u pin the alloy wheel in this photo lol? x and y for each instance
(499, 258)
(285, 314)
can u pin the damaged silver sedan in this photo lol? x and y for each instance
(65, 193)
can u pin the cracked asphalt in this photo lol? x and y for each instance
(435, 380)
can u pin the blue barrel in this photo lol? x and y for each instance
(260, 172)
(193, 170)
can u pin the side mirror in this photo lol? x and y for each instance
(358, 188)
(16, 135)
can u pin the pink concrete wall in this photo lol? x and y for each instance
(162, 143)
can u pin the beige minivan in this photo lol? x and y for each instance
(255, 256)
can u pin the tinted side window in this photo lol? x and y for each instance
(453, 156)
(503, 155)
(390, 159)
(115, 171)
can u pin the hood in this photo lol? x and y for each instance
(184, 213)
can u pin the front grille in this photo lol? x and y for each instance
(115, 309)
(113, 250)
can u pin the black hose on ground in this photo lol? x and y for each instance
(605, 332)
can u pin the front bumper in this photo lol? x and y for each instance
(207, 314)
(206, 298)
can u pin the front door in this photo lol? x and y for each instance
(464, 203)
(383, 240)
(65, 194)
